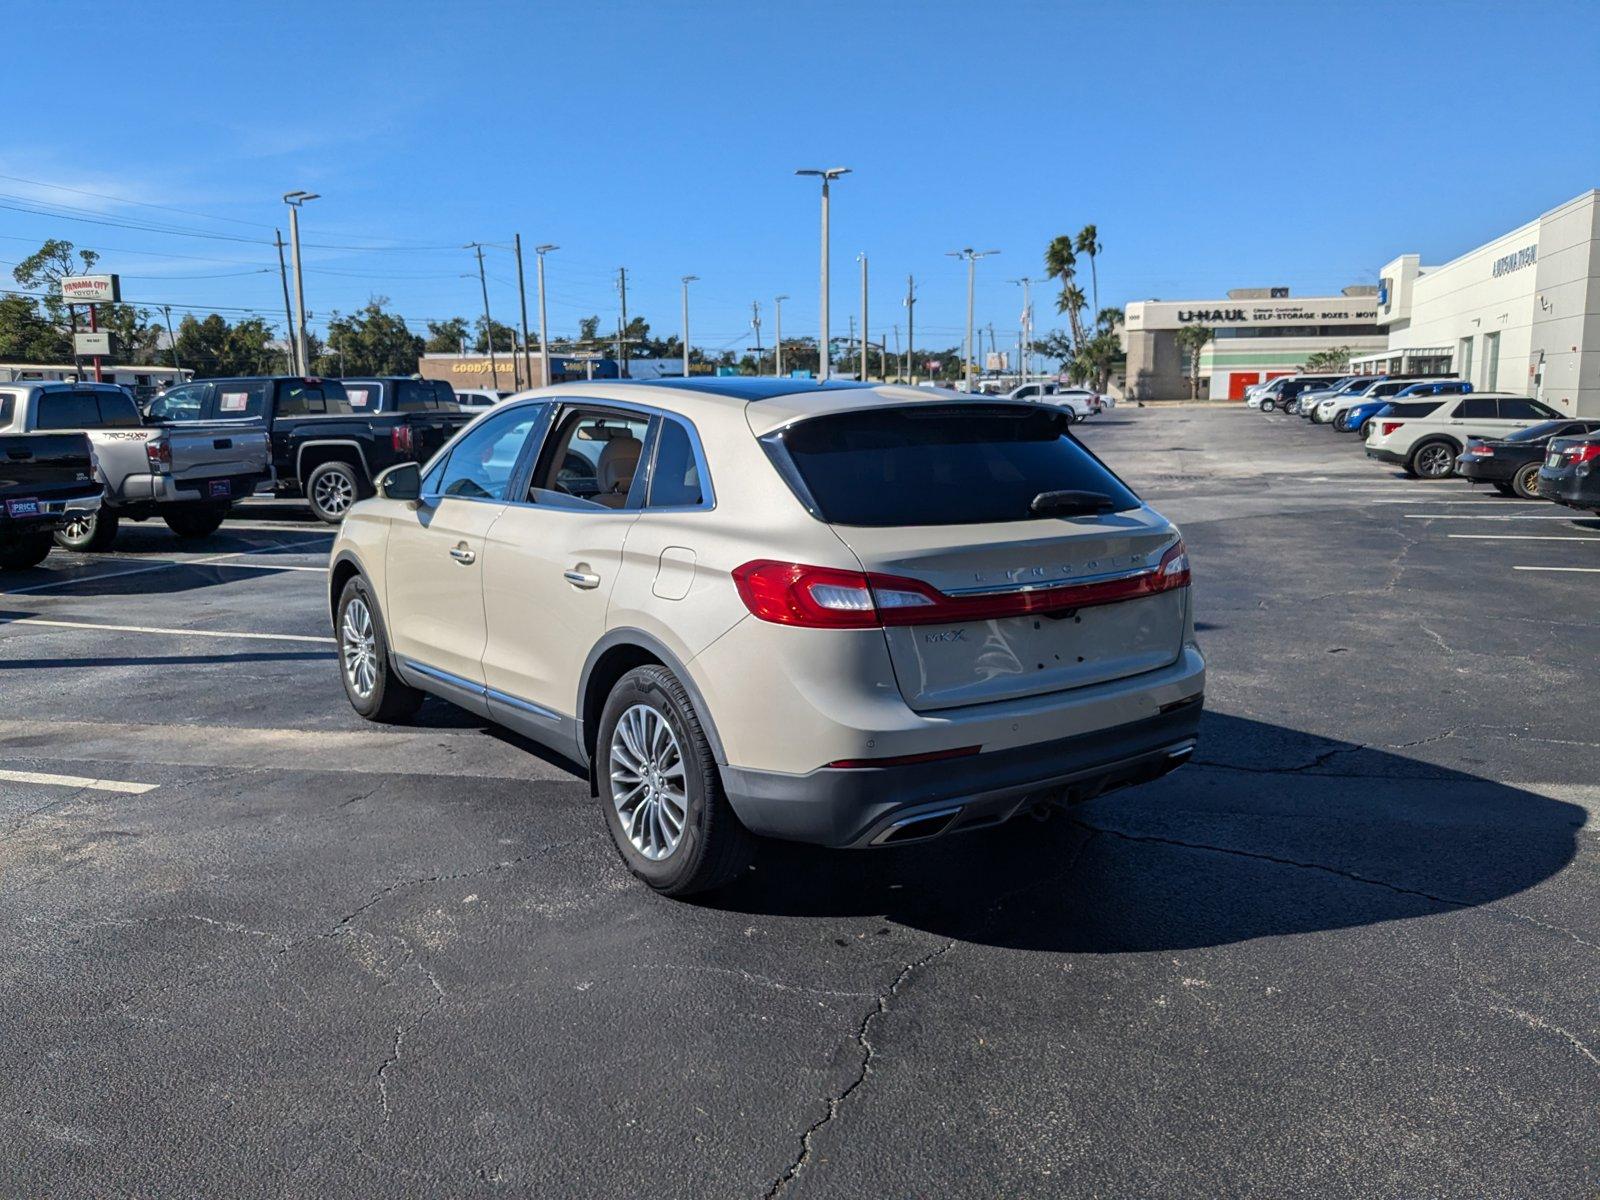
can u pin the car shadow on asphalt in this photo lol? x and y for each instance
(1268, 833)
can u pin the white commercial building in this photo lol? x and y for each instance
(1520, 314)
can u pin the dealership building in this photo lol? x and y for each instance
(1518, 314)
(1256, 334)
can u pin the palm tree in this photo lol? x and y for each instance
(1088, 242)
(1191, 338)
(1060, 260)
(1071, 302)
(1107, 319)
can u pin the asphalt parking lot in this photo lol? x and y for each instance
(253, 946)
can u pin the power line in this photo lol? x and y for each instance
(61, 187)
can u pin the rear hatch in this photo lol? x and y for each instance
(45, 466)
(1038, 559)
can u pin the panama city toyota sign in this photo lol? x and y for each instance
(91, 289)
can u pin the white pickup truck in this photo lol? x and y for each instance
(187, 473)
(1426, 435)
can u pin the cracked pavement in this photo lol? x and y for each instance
(1349, 951)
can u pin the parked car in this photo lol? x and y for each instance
(322, 448)
(475, 400)
(1511, 464)
(1401, 388)
(1571, 472)
(1078, 401)
(188, 473)
(46, 480)
(1428, 444)
(837, 613)
(1317, 400)
(1284, 391)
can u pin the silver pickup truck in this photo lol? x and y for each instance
(187, 473)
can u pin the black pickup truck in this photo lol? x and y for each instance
(46, 480)
(323, 446)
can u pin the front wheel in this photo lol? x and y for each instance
(87, 532)
(370, 682)
(662, 794)
(1525, 482)
(25, 552)
(196, 522)
(1269, 404)
(1433, 460)
(332, 488)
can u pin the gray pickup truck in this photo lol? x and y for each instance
(187, 473)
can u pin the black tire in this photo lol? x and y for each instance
(1434, 458)
(1525, 482)
(389, 700)
(197, 522)
(332, 488)
(88, 533)
(712, 846)
(1366, 430)
(25, 552)
(1268, 404)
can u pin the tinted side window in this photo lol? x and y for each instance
(1476, 408)
(117, 411)
(67, 410)
(417, 395)
(298, 398)
(1517, 408)
(481, 464)
(239, 399)
(675, 475)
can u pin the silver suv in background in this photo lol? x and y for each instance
(188, 473)
(836, 613)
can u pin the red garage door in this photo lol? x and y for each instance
(1239, 380)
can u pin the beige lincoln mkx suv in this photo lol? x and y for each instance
(835, 613)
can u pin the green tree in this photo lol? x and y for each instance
(211, 347)
(589, 329)
(374, 341)
(136, 337)
(1061, 262)
(1097, 359)
(1335, 358)
(447, 337)
(1107, 319)
(505, 338)
(1072, 302)
(26, 335)
(1088, 242)
(1191, 339)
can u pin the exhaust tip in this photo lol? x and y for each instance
(918, 828)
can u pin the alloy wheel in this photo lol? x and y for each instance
(1434, 461)
(77, 529)
(335, 492)
(359, 644)
(648, 785)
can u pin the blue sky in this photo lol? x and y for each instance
(1215, 145)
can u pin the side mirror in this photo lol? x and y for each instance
(403, 482)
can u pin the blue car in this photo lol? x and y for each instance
(1352, 419)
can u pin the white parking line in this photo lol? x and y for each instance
(79, 781)
(1574, 570)
(1526, 537)
(215, 560)
(210, 633)
(1469, 500)
(1475, 517)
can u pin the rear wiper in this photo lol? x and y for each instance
(1070, 503)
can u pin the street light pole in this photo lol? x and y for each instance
(862, 259)
(544, 329)
(972, 256)
(827, 176)
(687, 280)
(522, 301)
(777, 364)
(294, 200)
(911, 325)
(488, 323)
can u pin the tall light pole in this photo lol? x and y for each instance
(911, 325)
(294, 200)
(755, 323)
(972, 256)
(687, 280)
(1023, 325)
(862, 259)
(488, 323)
(522, 301)
(827, 176)
(777, 363)
(544, 328)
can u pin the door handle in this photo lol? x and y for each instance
(462, 555)
(583, 579)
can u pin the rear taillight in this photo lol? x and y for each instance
(1479, 450)
(159, 455)
(828, 598)
(1586, 452)
(1385, 428)
(400, 439)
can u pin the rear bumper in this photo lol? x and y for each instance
(52, 514)
(1388, 456)
(889, 805)
(164, 489)
(1569, 488)
(1484, 470)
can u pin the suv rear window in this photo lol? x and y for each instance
(939, 464)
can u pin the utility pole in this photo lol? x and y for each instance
(972, 256)
(911, 329)
(755, 323)
(992, 350)
(687, 280)
(544, 329)
(827, 176)
(851, 342)
(522, 299)
(288, 317)
(294, 200)
(172, 342)
(862, 259)
(488, 324)
(1023, 323)
(896, 344)
(777, 363)
(622, 329)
